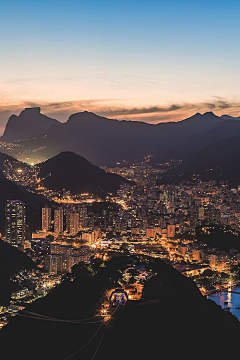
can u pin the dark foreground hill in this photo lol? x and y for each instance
(173, 318)
(72, 172)
(34, 203)
(11, 261)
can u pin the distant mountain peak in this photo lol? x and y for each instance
(198, 117)
(31, 110)
(228, 117)
(209, 113)
(30, 123)
(86, 116)
(201, 115)
(84, 113)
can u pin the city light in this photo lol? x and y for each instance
(151, 220)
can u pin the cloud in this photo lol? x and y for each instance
(145, 110)
(63, 105)
(173, 111)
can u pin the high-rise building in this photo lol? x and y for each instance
(15, 216)
(88, 236)
(150, 232)
(67, 224)
(58, 220)
(135, 230)
(164, 233)
(41, 246)
(170, 231)
(73, 223)
(201, 213)
(51, 263)
(117, 227)
(46, 218)
(196, 255)
(83, 217)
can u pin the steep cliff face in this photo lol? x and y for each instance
(30, 123)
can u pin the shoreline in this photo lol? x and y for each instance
(222, 289)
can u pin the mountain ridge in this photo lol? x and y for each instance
(217, 161)
(108, 142)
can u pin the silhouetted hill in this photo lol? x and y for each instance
(199, 129)
(30, 123)
(173, 318)
(224, 129)
(72, 172)
(216, 161)
(103, 141)
(200, 122)
(11, 261)
(34, 203)
(228, 117)
(110, 142)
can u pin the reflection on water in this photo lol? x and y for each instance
(228, 300)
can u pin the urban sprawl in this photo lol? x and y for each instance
(142, 218)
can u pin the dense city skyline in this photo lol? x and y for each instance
(157, 61)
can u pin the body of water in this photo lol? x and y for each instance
(228, 299)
